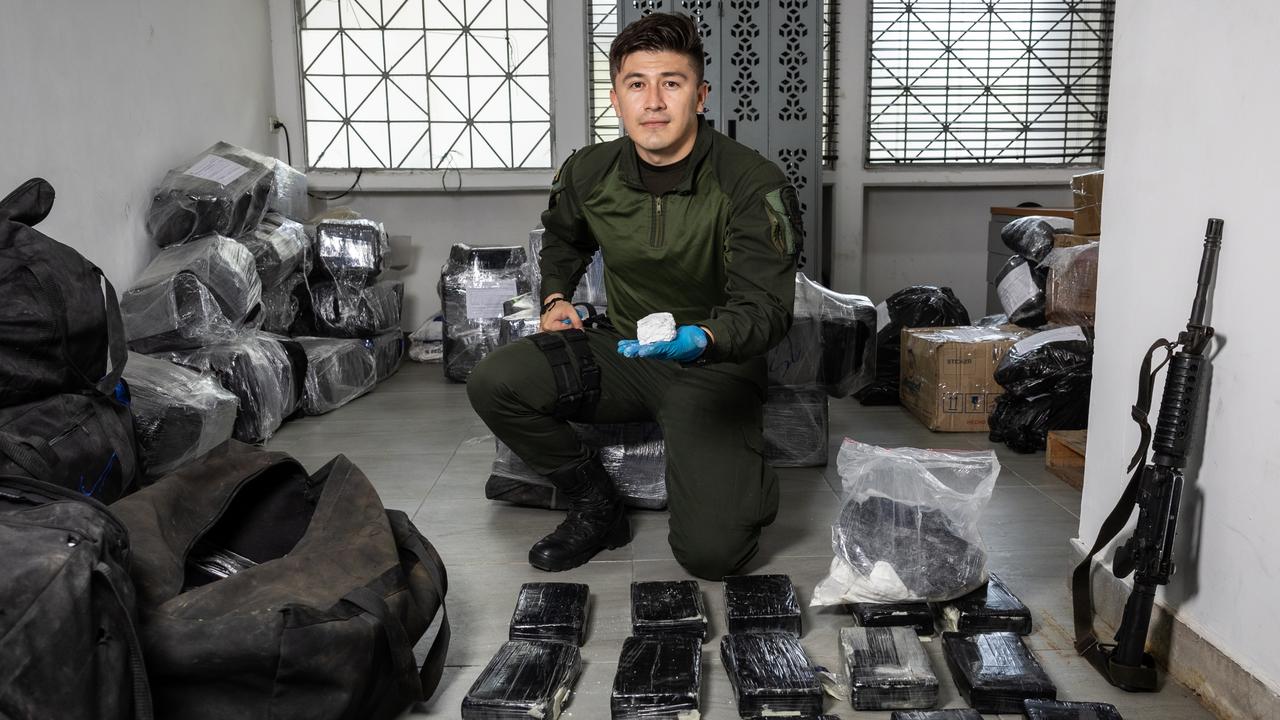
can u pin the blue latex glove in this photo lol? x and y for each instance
(582, 315)
(688, 345)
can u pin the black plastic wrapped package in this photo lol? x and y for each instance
(990, 608)
(551, 611)
(338, 371)
(254, 368)
(474, 284)
(224, 190)
(911, 307)
(948, 714)
(525, 679)
(191, 295)
(671, 607)
(342, 310)
(848, 331)
(1047, 379)
(1020, 285)
(1054, 710)
(761, 603)
(887, 669)
(796, 426)
(289, 192)
(915, 615)
(518, 324)
(658, 677)
(796, 361)
(770, 674)
(1031, 237)
(350, 251)
(388, 350)
(282, 304)
(995, 672)
(179, 414)
(590, 288)
(279, 246)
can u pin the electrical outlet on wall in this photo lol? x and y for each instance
(273, 124)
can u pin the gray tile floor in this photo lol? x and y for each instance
(428, 454)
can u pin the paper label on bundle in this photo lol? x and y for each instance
(485, 302)
(1063, 334)
(1016, 288)
(217, 169)
(882, 316)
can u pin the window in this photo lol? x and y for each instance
(425, 84)
(988, 81)
(830, 55)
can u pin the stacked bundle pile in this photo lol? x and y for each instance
(475, 284)
(1046, 379)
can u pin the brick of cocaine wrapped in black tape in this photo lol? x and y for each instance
(179, 414)
(948, 714)
(995, 672)
(917, 616)
(990, 608)
(761, 603)
(551, 611)
(887, 669)
(224, 190)
(254, 368)
(525, 679)
(279, 246)
(338, 371)
(351, 251)
(1054, 710)
(796, 425)
(190, 295)
(474, 285)
(770, 674)
(346, 310)
(388, 351)
(658, 677)
(668, 607)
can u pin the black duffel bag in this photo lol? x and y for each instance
(62, 330)
(267, 593)
(68, 649)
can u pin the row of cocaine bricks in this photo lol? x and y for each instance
(659, 669)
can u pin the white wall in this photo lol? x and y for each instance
(1192, 95)
(101, 98)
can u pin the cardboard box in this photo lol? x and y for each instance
(948, 374)
(1062, 240)
(1071, 291)
(1086, 189)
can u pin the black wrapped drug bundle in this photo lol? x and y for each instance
(590, 288)
(770, 674)
(179, 414)
(949, 714)
(350, 252)
(551, 611)
(761, 603)
(911, 307)
(344, 311)
(887, 669)
(848, 327)
(915, 615)
(1031, 237)
(338, 371)
(525, 679)
(1047, 379)
(282, 304)
(474, 284)
(1020, 285)
(668, 608)
(388, 350)
(796, 413)
(995, 672)
(280, 248)
(191, 295)
(255, 368)
(224, 190)
(990, 608)
(658, 676)
(1054, 710)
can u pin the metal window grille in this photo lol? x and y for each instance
(830, 79)
(603, 20)
(988, 81)
(425, 84)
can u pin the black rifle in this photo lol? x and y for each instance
(1155, 489)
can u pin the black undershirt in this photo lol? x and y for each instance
(661, 179)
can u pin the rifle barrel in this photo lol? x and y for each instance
(1208, 266)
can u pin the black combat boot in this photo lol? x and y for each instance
(597, 519)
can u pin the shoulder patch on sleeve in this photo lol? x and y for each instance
(557, 184)
(786, 222)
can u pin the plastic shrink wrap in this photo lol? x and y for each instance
(179, 415)
(761, 603)
(350, 252)
(1047, 379)
(525, 679)
(518, 324)
(887, 668)
(388, 351)
(1030, 236)
(916, 615)
(911, 307)
(990, 608)
(338, 371)
(474, 284)
(1072, 287)
(256, 369)
(908, 526)
(426, 344)
(658, 677)
(632, 453)
(949, 714)
(282, 304)
(224, 190)
(590, 288)
(280, 248)
(345, 311)
(796, 422)
(848, 328)
(995, 672)
(770, 674)
(672, 607)
(1053, 710)
(190, 295)
(551, 611)
(1020, 285)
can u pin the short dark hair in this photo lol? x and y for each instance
(656, 32)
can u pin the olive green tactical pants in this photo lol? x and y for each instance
(720, 490)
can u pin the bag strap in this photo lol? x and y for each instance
(574, 368)
(397, 639)
(142, 709)
(28, 458)
(409, 539)
(117, 349)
